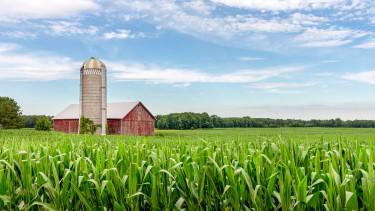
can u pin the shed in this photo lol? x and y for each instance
(131, 118)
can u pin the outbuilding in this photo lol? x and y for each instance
(131, 118)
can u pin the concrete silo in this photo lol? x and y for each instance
(93, 93)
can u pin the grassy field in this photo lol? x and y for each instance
(218, 169)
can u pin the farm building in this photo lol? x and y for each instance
(131, 118)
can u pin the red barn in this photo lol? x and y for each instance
(131, 118)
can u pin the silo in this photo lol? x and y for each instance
(93, 93)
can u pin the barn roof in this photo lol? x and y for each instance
(114, 110)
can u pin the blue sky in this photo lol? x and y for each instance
(278, 58)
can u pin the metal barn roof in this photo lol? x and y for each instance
(114, 110)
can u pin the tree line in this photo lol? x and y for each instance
(189, 120)
(11, 118)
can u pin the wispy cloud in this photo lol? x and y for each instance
(122, 34)
(25, 9)
(314, 37)
(277, 5)
(69, 28)
(18, 34)
(282, 87)
(364, 77)
(330, 61)
(308, 19)
(199, 6)
(179, 17)
(16, 65)
(5, 47)
(264, 29)
(250, 58)
(156, 74)
(366, 45)
(267, 30)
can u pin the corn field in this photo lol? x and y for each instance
(51, 171)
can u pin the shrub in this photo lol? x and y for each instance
(43, 123)
(87, 126)
(29, 121)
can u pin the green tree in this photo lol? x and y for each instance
(43, 123)
(10, 114)
(87, 126)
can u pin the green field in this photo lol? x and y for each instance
(217, 169)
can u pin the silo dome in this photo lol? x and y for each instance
(93, 63)
(93, 93)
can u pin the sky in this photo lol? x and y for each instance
(303, 59)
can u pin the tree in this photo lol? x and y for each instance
(87, 126)
(10, 114)
(43, 123)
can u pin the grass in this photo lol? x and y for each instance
(219, 169)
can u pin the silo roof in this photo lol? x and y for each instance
(114, 110)
(93, 63)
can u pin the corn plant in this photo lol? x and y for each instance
(52, 171)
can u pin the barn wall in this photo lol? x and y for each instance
(114, 126)
(66, 125)
(140, 128)
(138, 122)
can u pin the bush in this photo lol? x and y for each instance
(43, 123)
(29, 121)
(87, 126)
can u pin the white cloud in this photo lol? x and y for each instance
(35, 9)
(271, 28)
(364, 77)
(5, 47)
(59, 28)
(264, 31)
(156, 74)
(198, 6)
(277, 5)
(307, 19)
(314, 37)
(282, 87)
(330, 61)
(177, 17)
(18, 34)
(122, 34)
(70, 28)
(250, 58)
(34, 66)
(367, 45)
(18, 65)
(242, 23)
